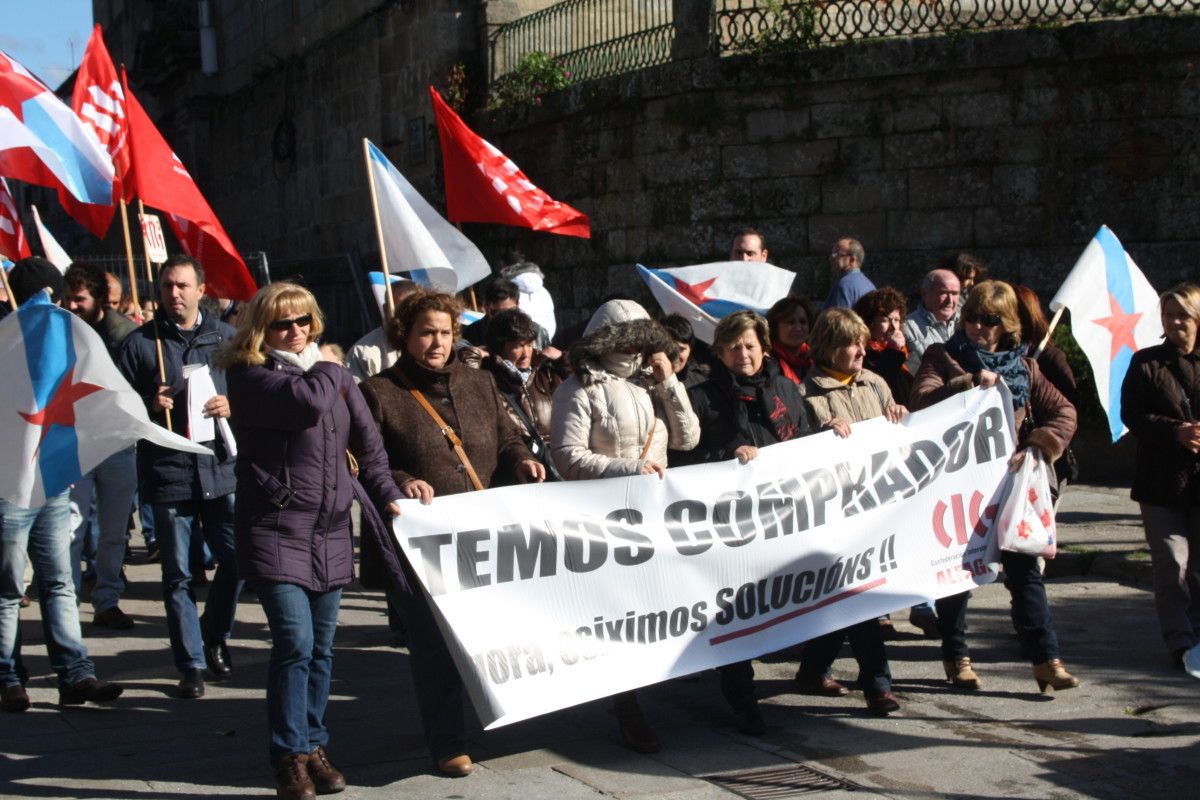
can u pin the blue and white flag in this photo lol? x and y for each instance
(64, 406)
(418, 240)
(705, 293)
(1114, 313)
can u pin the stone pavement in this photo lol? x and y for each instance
(1131, 730)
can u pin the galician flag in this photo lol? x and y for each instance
(54, 251)
(63, 404)
(1114, 313)
(417, 239)
(705, 293)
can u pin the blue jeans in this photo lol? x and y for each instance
(108, 489)
(45, 534)
(866, 643)
(174, 526)
(146, 514)
(302, 624)
(1030, 612)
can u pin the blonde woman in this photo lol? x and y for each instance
(1160, 403)
(295, 416)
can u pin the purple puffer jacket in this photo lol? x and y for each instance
(292, 516)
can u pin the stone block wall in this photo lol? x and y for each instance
(1014, 145)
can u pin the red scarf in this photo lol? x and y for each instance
(795, 367)
(880, 346)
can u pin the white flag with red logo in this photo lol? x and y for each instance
(13, 244)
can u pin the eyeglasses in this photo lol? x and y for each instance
(987, 320)
(282, 325)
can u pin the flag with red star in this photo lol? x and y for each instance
(1114, 313)
(65, 406)
(705, 293)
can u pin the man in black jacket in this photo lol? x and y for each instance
(108, 488)
(191, 495)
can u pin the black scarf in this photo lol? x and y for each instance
(1008, 364)
(758, 389)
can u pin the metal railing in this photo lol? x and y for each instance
(742, 26)
(588, 38)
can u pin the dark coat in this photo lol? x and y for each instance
(164, 475)
(468, 402)
(723, 429)
(529, 404)
(1054, 419)
(293, 429)
(1167, 474)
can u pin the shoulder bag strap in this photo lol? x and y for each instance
(649, 440)
(444, 429)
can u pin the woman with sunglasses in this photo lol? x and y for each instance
(295, 416)
(986, 348)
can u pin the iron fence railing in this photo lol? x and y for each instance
(588, 38)
(757, 25)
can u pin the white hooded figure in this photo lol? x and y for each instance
(535, 300)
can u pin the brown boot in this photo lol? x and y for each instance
(636, 732)
(959, 673)
(459, 766)
(1053, 675)
(291, 778)
(324, 775)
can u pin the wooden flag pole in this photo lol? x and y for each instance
(1050, 330)
(133, 292)
(387, 276)
(158, 349)
(12, 301)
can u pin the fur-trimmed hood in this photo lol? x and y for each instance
(643, 335)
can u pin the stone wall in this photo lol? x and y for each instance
(1015, 145)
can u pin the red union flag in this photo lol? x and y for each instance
(159, 178)
(484, 185)
(13, 244)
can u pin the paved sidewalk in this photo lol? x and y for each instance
(1131, 730)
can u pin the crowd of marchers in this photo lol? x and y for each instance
(425, 407)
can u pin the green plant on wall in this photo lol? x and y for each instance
(536, 74)
(787, 25)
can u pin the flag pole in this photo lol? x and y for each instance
(12, 301)
(158, 349)
(129, 258)
(1050, 330)
(383, 262)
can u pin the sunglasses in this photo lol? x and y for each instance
(988, 320)
(282, 325)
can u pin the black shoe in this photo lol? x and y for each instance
(112, 618)
(191, 685)
(88, 690)
(750, 721)
(152, 552)
(216, 657)
(14, 700)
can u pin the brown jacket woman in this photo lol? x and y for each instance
(416, 447)
(1053, 422)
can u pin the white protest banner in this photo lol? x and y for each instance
(555, 594)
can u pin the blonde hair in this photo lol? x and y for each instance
(272, 302)
(1186, 294)
(997, 297)
(835, 328)
(730, 329)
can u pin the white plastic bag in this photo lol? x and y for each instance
(1025, 523)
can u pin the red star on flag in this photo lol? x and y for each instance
(695, 291)
(60, 410)
(1046, 519)
(1024, 529)
(1033, 495)
(1120, 326)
